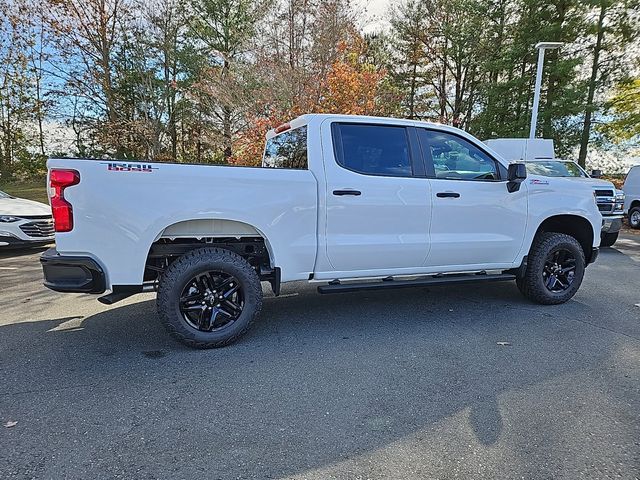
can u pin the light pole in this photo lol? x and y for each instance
(542, 46)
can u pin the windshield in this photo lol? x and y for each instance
(555, 168)
(4, 195)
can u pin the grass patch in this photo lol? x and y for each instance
(31, 190)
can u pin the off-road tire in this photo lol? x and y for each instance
(185, 268)
(531, 283)
(608, 239)
(634, 213)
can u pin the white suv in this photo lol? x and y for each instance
(632, 196)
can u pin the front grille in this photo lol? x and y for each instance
(39, 229)
(604, 193)
(605, 207)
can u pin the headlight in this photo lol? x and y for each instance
(8, 219)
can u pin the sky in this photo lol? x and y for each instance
(375, 13)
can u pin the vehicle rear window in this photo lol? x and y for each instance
(287, 150)
(372, 149)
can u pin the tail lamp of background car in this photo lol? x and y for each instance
(60, 207)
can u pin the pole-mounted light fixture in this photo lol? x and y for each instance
(541, 47)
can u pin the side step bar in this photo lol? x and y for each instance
(120, 292)
(336, 287)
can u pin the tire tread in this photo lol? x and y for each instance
(169, 284)
(529, 283)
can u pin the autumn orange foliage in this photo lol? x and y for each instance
(352, 87)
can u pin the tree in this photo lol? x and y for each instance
(616, 27)
(166, 22)
(624, 106)
(223, 29)
(505, 95)
(352, 86)
(439, 66)
(88, 34)
(17, 97)
(410, 58)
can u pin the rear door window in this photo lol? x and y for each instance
(372, 149)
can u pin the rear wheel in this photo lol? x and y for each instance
(634, 217)
(608, 239)
(555, 268)
(209, 297)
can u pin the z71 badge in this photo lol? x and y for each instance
(536, 181)
(129, 167)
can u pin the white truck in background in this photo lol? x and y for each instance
(353, 203)
(632, 196)
(539, 156)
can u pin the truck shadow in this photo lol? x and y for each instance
(317, 381)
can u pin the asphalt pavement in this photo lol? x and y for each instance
(442, 382)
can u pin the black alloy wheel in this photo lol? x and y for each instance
(554, 269)
(209, 297)
(559, 270)
(211, 301)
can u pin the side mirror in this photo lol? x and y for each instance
(596, 173)
(516, 174)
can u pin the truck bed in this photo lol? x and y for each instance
(129, 205)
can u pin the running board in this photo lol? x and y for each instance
(112, 298)
(337, 287)
(120, 292)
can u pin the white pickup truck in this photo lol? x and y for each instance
(539, 156)
(349, 202)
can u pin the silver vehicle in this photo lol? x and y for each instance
(24, 222)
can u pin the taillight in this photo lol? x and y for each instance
(61, 209)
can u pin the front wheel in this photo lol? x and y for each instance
(608, 239)
(634, 217)
(555, 268)
(209, 297)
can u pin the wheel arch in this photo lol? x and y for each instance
(213, 228)
(186, 235)
(574, 225)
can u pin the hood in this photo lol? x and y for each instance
(21, 207)
(594, 182)
(589, 184)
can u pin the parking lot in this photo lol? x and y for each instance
(465, 382)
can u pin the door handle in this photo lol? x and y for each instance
(447, 195)
(340, 193)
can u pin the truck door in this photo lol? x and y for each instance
(378, 205)
(475, 220)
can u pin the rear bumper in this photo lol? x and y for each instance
(611, 224)
(72, 274)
